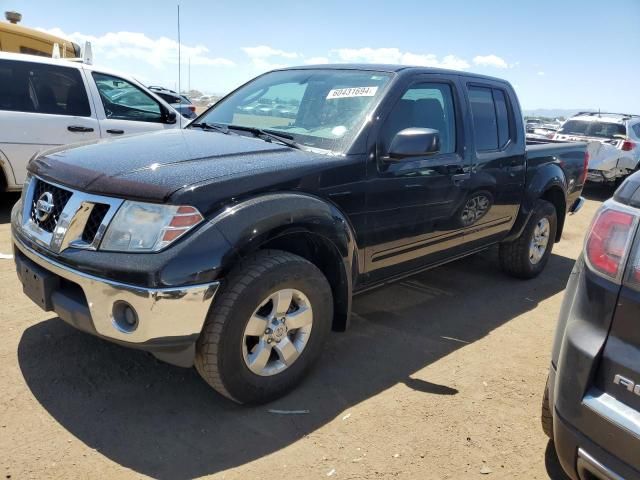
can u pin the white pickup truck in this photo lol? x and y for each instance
(47, 102)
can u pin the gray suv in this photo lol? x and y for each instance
(591, 405)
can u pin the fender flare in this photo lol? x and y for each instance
(257, 221)
(545, 178)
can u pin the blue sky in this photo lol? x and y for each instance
(557, 54)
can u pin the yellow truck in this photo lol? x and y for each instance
(18, 39)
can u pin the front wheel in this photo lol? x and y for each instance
(526, 256)
(266, 328)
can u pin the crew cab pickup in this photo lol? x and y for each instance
(236, 244)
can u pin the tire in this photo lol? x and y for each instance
(515, 256)
(546, 416)
(223, 349)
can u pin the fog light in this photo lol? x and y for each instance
(125, 317)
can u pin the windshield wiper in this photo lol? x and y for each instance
(210, 126)
(269, 135)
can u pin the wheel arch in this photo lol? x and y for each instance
(301, 224)
(548, 183)
(6, 173)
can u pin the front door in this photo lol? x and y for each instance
(415, 206)
(124, 107)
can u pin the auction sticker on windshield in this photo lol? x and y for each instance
(352, 92)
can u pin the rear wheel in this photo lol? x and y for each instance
(546, 417)
(526, 256)
(266, 328)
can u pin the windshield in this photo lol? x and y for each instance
(317, 108)
(592, 129)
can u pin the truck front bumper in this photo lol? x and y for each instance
(163, 321)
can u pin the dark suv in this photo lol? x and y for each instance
(181, 103)
(591, 406)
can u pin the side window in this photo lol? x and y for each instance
(14, 91)
(124, 101)
(425, 105)
(491, 118)
(636, 129)
(485, 123)
(41, 88)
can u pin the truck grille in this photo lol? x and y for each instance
(93, 223)
(59, 198)
(58, 218)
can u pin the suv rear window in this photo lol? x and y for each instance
(592, 129)
(41, 88)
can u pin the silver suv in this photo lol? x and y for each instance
(619, 136)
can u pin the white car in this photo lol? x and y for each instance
(47, 102)
(618, 151)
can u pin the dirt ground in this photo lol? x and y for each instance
(440, 376)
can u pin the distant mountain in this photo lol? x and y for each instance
(555, 112)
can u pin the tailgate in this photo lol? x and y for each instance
(619, 371)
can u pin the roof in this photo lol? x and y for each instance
(32, 32)
(392, 68)
(65, 62)
(604, 117)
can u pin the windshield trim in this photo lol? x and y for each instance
(352, 139)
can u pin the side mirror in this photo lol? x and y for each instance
(169, 116)
(414, 142)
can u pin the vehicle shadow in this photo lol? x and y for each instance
(6, 204)
(598, 193)
(163, 421)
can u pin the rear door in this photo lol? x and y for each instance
(499, 162)
(123, 107)
(41, 106)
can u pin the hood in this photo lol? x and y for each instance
(154, 166)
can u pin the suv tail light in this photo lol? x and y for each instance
(627, 146)
(608, 242)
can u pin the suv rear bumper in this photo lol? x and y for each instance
(582, 459)
(167, 323)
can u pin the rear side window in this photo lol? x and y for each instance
(491, 118)
(40, 88)
(170, 99)
(502, 113)
(636, 129)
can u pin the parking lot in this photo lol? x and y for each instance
(440, 376)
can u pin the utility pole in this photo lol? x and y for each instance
(179, 65)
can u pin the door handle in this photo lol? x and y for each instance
(78, 128)
(460, 177)
(115, 131)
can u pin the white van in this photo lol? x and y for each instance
(48, 102)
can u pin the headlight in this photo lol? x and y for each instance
(148, 227)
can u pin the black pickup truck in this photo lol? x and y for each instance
(237, 243)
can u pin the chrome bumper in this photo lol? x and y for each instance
(162, 313)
